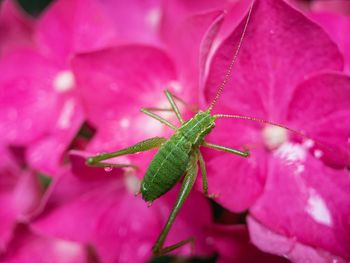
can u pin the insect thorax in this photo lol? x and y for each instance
(198, 127)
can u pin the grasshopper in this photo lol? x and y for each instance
(178, 156)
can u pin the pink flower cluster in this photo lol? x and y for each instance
(91, 65)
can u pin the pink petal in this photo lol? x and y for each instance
(27, 100)
(336, 6)
(306, 201)
(29, 247)
(233, 244)
(71, 26)
(272, 60)
(237, 181)
(8, 219)
(119, 225)
(189, 42)
(135, 20)
(320, 107)
(26, 196)
(127, 78)
(16, 28)
(338, 27)
(56, 143)
(271, 242)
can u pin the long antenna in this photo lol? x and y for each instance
(260, 121)
(233, 61)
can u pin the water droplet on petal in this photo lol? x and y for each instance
(149, 203)
(64, 81)
(308, 143)
(318, 153)
(108, 169)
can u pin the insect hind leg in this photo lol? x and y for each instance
(187, 185)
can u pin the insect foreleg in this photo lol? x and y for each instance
(138, 147)
(226, 149)
(187, 184)
(171, 100)
(148, 111)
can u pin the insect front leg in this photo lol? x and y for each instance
(186, 187)
(171, 100)
(138, 147)
(148, 111)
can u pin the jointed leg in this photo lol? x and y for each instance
(204, 173)
(192, 108)
(148, 111)
(225, 149)
(138, 147)
(187, 184)
(170, 97)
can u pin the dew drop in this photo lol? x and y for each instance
(108, 169)
(308, 144)
(318, 153)
(348, 140)
(64, 81)
(149, 203)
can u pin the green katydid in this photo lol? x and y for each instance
(178, 156)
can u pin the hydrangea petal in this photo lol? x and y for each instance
(118, 224)
(271, 242)
(27, 99)
(338, 27)
(56, 144)
(29, 247)
(271, 61)
(71, 26)
(189, 43)
(135, 20)
(16, 29)
(127, 78)
(320, 107)
(233, 245)
(307, 201)
(237, 181)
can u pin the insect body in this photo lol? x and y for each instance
(174, 155)
(178, 156)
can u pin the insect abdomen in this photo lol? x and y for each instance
(166, 167)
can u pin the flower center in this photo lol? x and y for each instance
(274, 137)
(64, 81)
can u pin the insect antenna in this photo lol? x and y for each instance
(233, 61)
(299, 133)
(261, 121)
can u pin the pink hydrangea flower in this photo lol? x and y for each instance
(30, 247)
(16, 28)
(20, 196)
(116, 223)
(278, 77)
